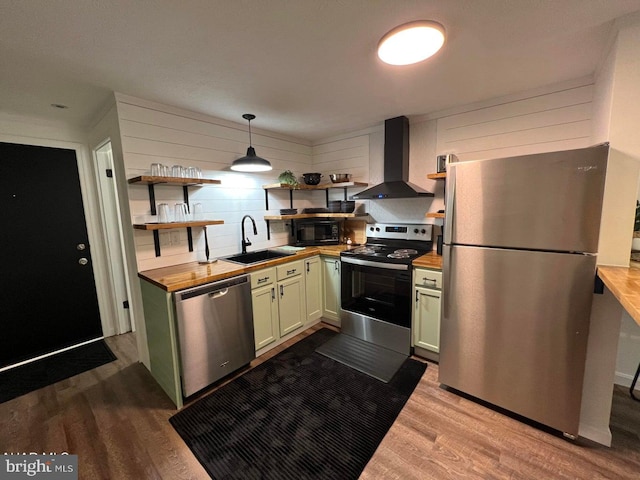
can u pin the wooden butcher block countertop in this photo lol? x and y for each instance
(430, 260)
(193, 274)
(624, 283)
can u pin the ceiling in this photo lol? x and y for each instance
(305, 68)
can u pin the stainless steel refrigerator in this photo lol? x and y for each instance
(521, 237)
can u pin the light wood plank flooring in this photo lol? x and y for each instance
(115, 418)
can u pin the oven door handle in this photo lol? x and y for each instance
(369, 263)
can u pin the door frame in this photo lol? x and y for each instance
(91, 209)
(123, 320)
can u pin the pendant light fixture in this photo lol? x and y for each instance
(250, 162)
(411, 43)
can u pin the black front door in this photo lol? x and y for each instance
(48, 295)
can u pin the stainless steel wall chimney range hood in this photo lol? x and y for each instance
(396, 165)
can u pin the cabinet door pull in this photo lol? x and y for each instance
(431, 280)
(308, 267)
(281, 291)
(336, 265)
(273, 293)
(291, 272)
(417, 296)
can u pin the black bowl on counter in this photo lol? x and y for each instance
(311, 178)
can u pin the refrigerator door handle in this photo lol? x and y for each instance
(446, 278)
(449, 201)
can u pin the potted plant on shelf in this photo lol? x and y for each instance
(287, 177)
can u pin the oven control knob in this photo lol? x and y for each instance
(415, 230)
(377, 229)
(371, 229)
(423, 231)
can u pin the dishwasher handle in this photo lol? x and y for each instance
(219, 293)
(211, 289)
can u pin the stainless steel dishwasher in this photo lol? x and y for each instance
(215, 331)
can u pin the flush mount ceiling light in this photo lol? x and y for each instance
(411, 43)
(250, 162)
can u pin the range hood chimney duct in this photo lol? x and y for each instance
(396, 165)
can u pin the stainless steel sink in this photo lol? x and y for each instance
(256, 257)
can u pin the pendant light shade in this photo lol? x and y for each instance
(251, 162)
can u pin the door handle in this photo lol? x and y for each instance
(307, 267)
(281, 291)
(83, 261)
(273, 294)
(336, 265)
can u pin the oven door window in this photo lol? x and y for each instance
(377, 292)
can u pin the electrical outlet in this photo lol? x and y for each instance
(175, 238)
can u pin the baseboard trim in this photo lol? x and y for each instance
(598, 435)
(625, 380)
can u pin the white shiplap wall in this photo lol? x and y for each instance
(153, 132)
(543, 122)
(343, 155)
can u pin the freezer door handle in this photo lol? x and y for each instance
(449, 204)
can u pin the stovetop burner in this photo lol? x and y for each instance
(393, 244)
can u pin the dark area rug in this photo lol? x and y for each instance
(32, 376)
(299, 415)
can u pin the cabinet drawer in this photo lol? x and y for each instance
(427, 278)
(263, 277)
(290, 269)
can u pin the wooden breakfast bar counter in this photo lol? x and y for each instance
(624, 283)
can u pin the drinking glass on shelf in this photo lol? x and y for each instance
(192, 172)
(163, 213)
(166, 171)
(180, 212)
(156, 169)
(177, 171)
(198, 213)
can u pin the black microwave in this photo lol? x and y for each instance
(317, 232)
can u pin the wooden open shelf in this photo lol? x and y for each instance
(437, 176)
(314, 215)
(303, 186)
(166, 226)
(149, 180)
(434, 215)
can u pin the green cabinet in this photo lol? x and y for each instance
(266, 326)
(331, 290)
(162, 339)
(279, 302)
(313, 288)
(426, 312)
(291, 296)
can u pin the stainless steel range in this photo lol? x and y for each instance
(376, 299)
(376, 284)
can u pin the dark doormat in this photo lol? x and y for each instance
(299, 415)
(32, 376)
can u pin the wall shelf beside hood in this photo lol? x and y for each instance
(301, 186)
(436, 176)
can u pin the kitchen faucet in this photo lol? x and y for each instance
(245, 240)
